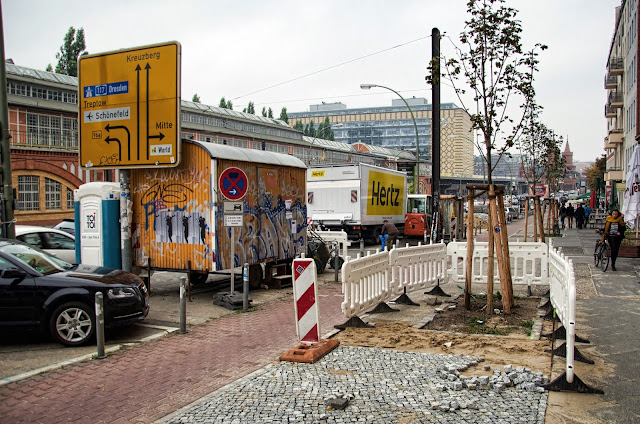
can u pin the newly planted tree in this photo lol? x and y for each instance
(494, 68)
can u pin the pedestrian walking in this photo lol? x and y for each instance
(571, 213)
(579, 216)
(587, 212)
(392, 233)
(614, 231)
(563, 215)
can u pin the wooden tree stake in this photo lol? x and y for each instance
(490, 264)
(526, 218)
(505, 277)
(469, 270)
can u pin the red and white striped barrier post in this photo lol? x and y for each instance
(453, 227)
(305, 293)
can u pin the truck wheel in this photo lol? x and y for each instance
(340, 262)
(320, 269)
(377, 232)
(198, 277)
(72, 324)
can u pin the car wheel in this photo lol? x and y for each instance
(72, 324)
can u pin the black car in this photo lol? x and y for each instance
(40, 290)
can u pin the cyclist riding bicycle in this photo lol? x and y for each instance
(614, 231)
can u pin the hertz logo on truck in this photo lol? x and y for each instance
(385, 194)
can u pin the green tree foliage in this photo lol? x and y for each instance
(73, 47)
(298, 126)
(196, 98)
(270, 113)
(264, 111)
(495, 68)
(325, 131)
(596, 171)
(49, 68)
(251, 108)
(310, 129)
(225, 104)
(283, 115)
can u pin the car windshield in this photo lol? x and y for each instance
(36, 259)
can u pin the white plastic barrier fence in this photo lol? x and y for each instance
(562, 282)
(365, 283)
(417, 267)
(376, 278)
(336, 236)
(529, 262)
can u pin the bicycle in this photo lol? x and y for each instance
(597, 253)
(602, 253)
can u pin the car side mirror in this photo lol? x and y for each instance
(12, 273)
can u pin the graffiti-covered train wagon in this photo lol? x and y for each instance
(179, 215)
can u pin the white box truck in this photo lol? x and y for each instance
(356, 198)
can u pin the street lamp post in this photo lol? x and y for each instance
(416, 173)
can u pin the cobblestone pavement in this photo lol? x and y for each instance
(380, 386)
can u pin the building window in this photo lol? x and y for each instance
(69, 132)
(28, 193)
(70, 97)
(39, 92)
(49, 130)
(70, 204)
(53, 194)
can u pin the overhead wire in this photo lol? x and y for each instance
(332, 67)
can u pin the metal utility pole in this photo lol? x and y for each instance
(435, 125)
(6, 197)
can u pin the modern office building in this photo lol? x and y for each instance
(392, 127)
(623, 104)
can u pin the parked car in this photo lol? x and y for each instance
(41, 291)
(508, 214)
(55, 242)
(67, 224)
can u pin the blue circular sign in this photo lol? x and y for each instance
(233, 183)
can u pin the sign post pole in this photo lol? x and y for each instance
(231, 252)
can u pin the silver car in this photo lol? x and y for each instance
(55, 242)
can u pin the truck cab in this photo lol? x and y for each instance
(418, 215)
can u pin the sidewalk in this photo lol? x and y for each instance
(608, 317)
(144, 383)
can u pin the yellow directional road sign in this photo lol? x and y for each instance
(130, 107)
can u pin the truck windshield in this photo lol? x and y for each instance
(416, 206)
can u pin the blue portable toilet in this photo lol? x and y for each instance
(97, 219)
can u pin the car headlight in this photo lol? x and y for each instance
(121, 293)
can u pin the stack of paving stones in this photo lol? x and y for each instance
(372, 385)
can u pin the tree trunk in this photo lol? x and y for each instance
(469, 270)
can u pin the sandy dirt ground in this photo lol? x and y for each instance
(497, 351)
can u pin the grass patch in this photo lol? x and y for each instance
(478, 325)
(496, 296)
(528, 326)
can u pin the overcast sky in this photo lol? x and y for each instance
(263, 51)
